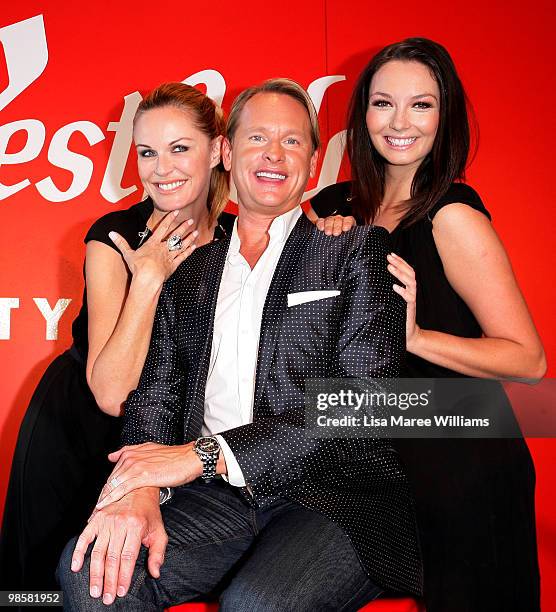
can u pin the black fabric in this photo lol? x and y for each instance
(58, 468)
(128, 223)
(60, 462)
(474, 498)
(131, 224)
(357, 483)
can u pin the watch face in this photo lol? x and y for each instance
(208, 445)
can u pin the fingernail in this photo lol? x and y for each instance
(190, 222)
(107, 599)
(74, 565)
(195, 233)
(121, 591)
(112, 235)
(95, 591)
(176, 213)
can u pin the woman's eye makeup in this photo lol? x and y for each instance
(422, 105)
(179, 148)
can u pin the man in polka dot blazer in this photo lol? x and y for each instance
(261, 514)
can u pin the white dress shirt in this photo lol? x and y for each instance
(230, 387)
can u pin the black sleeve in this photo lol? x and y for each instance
(113, 221)
(333, 200)
(128, 223)
(460, 193)
(153, 411)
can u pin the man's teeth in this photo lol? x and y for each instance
(400, 142)
(170, 186)
(271, 175)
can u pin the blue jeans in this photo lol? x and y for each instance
(284, 557)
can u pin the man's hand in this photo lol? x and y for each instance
(149, 465)
(119, 532)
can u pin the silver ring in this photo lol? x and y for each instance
(174, 243)
(114, 482)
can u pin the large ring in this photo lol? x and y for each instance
(174, 243)
(114, 482)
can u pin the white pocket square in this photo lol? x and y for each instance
(310, 296)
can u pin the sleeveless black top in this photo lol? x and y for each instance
(474, 498)
(130, 223)
(439, 307)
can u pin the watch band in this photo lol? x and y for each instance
(207, 449)
(165, 495)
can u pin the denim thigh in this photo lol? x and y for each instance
(209, 527)
(301, 561)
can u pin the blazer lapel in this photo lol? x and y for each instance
(277, 300)
(210, 271)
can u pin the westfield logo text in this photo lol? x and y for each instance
(26, 52)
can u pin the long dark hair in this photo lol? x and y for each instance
(446, 161)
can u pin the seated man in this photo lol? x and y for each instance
(294, 523)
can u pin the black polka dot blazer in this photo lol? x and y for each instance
(358, 483)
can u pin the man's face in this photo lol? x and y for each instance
(271, 158)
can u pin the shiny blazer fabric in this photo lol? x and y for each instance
(356, 482)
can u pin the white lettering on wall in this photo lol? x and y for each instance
(111, 188)
(330, 164)
(318, 87)
(26, 57)
(6, 305)
(336, 145)
(35, 139)
(26, 54)
(214, 81)
(52, 315)
(60, 156)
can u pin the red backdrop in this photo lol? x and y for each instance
(67, 70)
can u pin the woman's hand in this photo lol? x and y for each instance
(153, 260)
(334, 225)
(400, 269)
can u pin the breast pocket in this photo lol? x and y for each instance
(311, 321)
(304, 297)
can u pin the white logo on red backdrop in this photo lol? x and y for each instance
(26, 52)
(26, 57)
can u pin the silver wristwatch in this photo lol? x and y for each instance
(207, 449)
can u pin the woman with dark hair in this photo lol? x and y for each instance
(61, 459)
(408, 144)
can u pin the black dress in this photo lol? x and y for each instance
(474, 497)
(60, 461)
